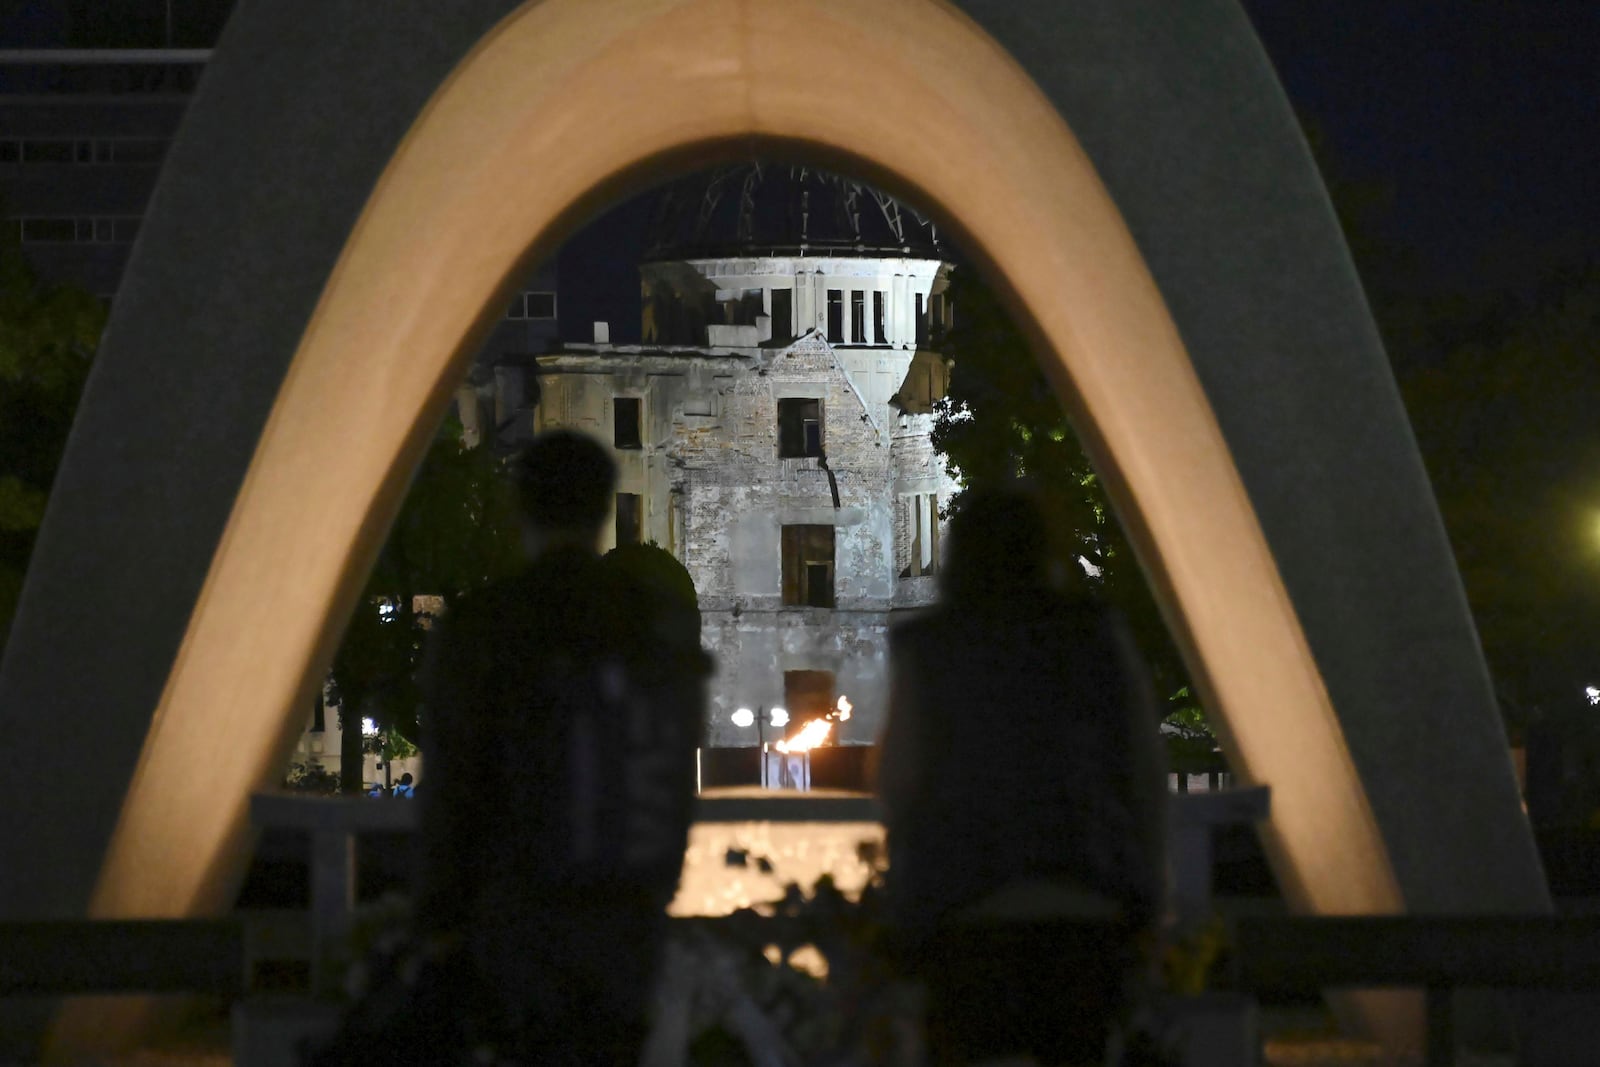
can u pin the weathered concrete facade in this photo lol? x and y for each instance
(715, 476)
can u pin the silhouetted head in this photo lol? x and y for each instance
(405, 779)
(565, 481)
(999, 543)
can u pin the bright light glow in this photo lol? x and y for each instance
(845, 708)
(780, 717)
(810, 736)
(809, 960)
(1593, 693)
(798, 852)
(743, 718)
(369, 728)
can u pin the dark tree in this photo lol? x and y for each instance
(456, 531)
(1507, 423)
(1001, 418)
(48, 336)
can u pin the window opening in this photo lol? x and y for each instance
(799, 428)
(879, 335)
(630, 518)
(922, 525)
(541, 305)
(807, 566)
(782, 314)
(625, 416)
(858, 317)
(836, 316)
(740, 306)
(922, 321)
(940, 315)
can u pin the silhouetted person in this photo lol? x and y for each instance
(404, 788)
(1023, 788)
(563, 709)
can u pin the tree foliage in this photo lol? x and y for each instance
(48, 336)
(1506, 422)
(1501, 389)
(1000, 420)
(456, 531)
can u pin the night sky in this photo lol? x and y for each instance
(1478, 119)
(1481, 118)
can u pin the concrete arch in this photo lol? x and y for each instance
(1146, 202)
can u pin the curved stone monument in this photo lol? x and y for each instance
(357, 186)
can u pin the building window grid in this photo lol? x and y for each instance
(127, 151)
(61, 229)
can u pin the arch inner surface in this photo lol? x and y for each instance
(560, 101)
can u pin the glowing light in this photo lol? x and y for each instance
(798, 852)
(810, 736)
(1593, 693)
(780, 717)
(744, 717)
(369, 728)
(809, 959)
(844, 708)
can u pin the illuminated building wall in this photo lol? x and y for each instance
(784, 459)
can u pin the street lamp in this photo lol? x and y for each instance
(761, 718)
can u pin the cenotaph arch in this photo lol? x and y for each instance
(357, 186)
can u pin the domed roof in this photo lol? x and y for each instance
(759, 209)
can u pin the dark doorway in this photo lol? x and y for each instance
(807, 695)
(630, 518)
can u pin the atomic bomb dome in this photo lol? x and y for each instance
(753, 208)
(755, 255)
(772, 429)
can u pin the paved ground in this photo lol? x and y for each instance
(1307, 1037)
(1294, 1038)
(1279, 1052)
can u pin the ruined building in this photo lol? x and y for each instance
(772, 429)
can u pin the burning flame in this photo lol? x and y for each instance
(810, 736)
(844, 708)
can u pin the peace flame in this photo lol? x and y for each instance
(810, 736)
